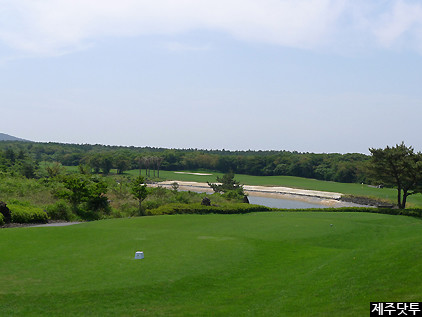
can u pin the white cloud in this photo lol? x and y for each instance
(59, 26)
(404, 21)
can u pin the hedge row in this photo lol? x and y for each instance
(27, 214)
(172, 209)
(24, 213)
(386, 211)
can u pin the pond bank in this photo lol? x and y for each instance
(328, 199)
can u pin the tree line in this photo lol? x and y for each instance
(24, 156)
(399, 166)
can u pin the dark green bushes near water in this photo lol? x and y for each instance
(412, 212)
(239, 208)
(197, 208)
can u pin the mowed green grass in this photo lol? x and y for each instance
(258, 264)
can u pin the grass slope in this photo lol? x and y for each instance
(259, 264)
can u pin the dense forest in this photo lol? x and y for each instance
(26, 157)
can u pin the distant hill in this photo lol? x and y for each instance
(6, 137)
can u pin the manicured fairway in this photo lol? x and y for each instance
(258, 264)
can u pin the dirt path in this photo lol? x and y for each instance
(57, 224)
(50, 224)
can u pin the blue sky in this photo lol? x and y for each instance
(303, 75)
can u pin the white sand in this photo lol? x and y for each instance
(257, 190)
(311, 196)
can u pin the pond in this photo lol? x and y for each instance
(282, 203)
(291, 203)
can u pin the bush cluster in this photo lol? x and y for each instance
(24, 213)
(402, 212)
(60, 211)
(414, 212)
(197, 208)
(1, 220)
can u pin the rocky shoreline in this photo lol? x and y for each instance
(366, 201)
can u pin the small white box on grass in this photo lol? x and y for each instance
(139, 255)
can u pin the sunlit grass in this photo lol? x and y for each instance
(259, 264)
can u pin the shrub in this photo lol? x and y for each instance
(129, 210)
(60, 211)
(151, 204)
(234, 195)
(171, 209)
(80, 189)
(83, 211)
(28, 214)
(158, 191)
(182, 198)
(386, 211)
(114, 213)
(1, 220)
(31, 189)
(5, 212)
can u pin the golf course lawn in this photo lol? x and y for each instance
(258, 264)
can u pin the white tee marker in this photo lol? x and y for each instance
(139, 255)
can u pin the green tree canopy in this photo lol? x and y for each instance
(79, 188)
(227, 183)
(139, 191)
(400, 167)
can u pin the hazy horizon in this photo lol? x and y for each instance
(189, 148)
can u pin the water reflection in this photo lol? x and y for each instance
(282, 203)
